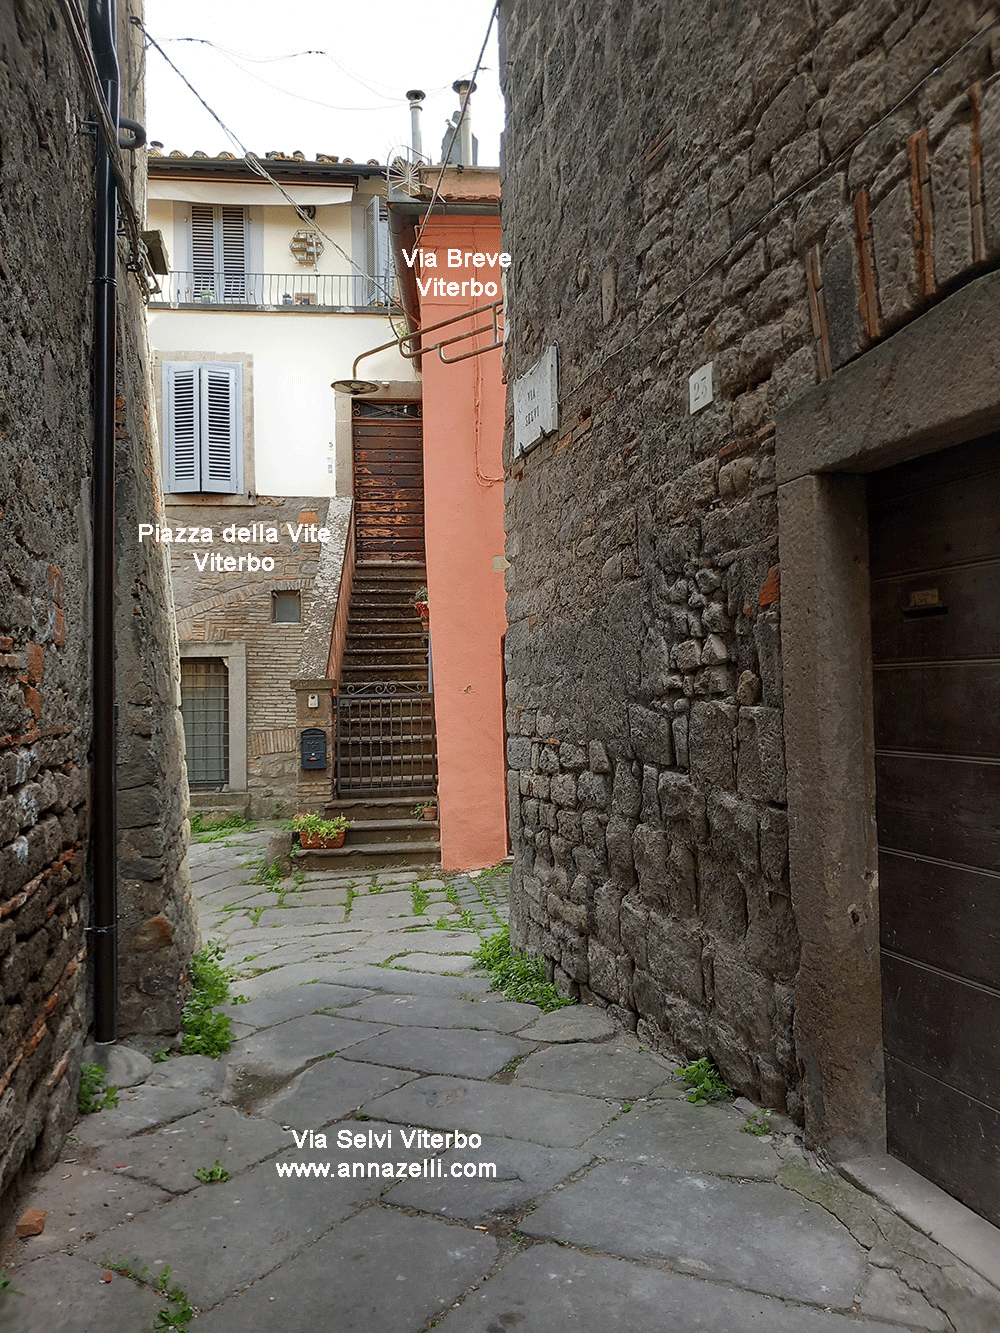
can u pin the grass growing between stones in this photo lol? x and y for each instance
(518, 976)
(706, 1083)
(207, 1032)
(94, 1094)
(202, 832)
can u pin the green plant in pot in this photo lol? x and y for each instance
(316, 832)
(422, 606)
(426, 810)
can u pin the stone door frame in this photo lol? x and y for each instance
(933, 384)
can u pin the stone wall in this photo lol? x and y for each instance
(46, 541)
(235, 607)
(771, 188)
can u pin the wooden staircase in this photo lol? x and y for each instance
(386, 749)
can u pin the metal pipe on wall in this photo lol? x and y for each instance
(104, 838)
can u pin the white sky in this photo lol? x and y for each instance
(377, 50)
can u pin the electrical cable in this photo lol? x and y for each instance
(255, 166)
(456, 129)
(138, 261)
(778, 204)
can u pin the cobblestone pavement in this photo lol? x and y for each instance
(615, 1203)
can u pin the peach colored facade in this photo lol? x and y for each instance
(463, 496)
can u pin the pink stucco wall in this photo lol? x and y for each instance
(463, 497)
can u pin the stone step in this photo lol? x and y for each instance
(369, 832)
(377, 809)
(370, 856)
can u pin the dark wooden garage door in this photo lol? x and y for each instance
(935, 565)
(388, 482)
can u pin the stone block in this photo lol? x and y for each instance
(734, 832)
(682, 806)
(626, 794)
(949, 167)
(842, 295)
(651, 735)
(519, 752)
(761, 763)
(989, 130)
(649, 849)
(711, 744)
(593, 791)
(563, 789)
(572, 756)
(619, 841)
(599, 761)
(895, 258)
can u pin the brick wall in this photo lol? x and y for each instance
(46, 540)
(771, 188)
(236, 608)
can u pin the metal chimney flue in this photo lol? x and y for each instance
(465, 88)
(416, 98)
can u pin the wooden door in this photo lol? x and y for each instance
(388, 482)
(935, 568)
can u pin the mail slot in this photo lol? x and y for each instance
(313, 743)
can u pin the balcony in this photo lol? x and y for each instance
(272, 291)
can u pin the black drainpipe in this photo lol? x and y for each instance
(104, 837)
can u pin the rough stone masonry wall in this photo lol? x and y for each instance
(235, 607)
(46, 440)
(757, 185)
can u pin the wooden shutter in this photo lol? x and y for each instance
(232, 246)
(220, 435)
(203, 248)
(180, 423)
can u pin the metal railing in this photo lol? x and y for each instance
(273, 291)
(385, 740)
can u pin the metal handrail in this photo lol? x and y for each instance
(277, 291)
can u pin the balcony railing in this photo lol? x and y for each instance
(274, 291)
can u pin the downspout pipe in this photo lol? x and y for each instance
(104, 834)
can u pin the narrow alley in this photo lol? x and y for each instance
(207, 1198)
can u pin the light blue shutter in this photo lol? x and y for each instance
(232, 246)
(221, 449)
(378, 260)
(180, 419)
(203, 249)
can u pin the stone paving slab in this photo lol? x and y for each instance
(170, 1156)
(296, 917)
(297, 974)
(442, 1051)
(561, 1120)
(214, 1237)
(759, 1236)
(62, 1294)
(524, 1171)
(681, 1136)
(139, 1109)
(317, 897)
(601, 1071)
(548, 1288)
(284, 1050)
(453, 964)
(295, 1002)
(577, 1022)
(381, 1271)
(331, 1089)
(435, 1012)
(886, 1296)
(348, 973)
(276, 954)
(81, 1202)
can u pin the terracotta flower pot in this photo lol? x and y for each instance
(429, 812)
(315, 842)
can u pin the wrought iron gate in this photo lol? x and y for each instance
(385, 740)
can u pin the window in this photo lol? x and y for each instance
(285, 608)
(378, 255)
(203, 426)
(219, 252)
(205, 710)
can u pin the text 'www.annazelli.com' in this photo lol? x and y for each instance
(431, 1168)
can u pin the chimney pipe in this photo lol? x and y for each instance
(416, 97)
(465, 88)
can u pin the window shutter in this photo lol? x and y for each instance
(220, 438)
(181, 409)
(203, 247)
(233, 248)
(378, 259)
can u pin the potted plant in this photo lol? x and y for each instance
(426, 809)
(315, 832)
(422, 607)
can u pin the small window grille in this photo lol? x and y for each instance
(286, 608)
